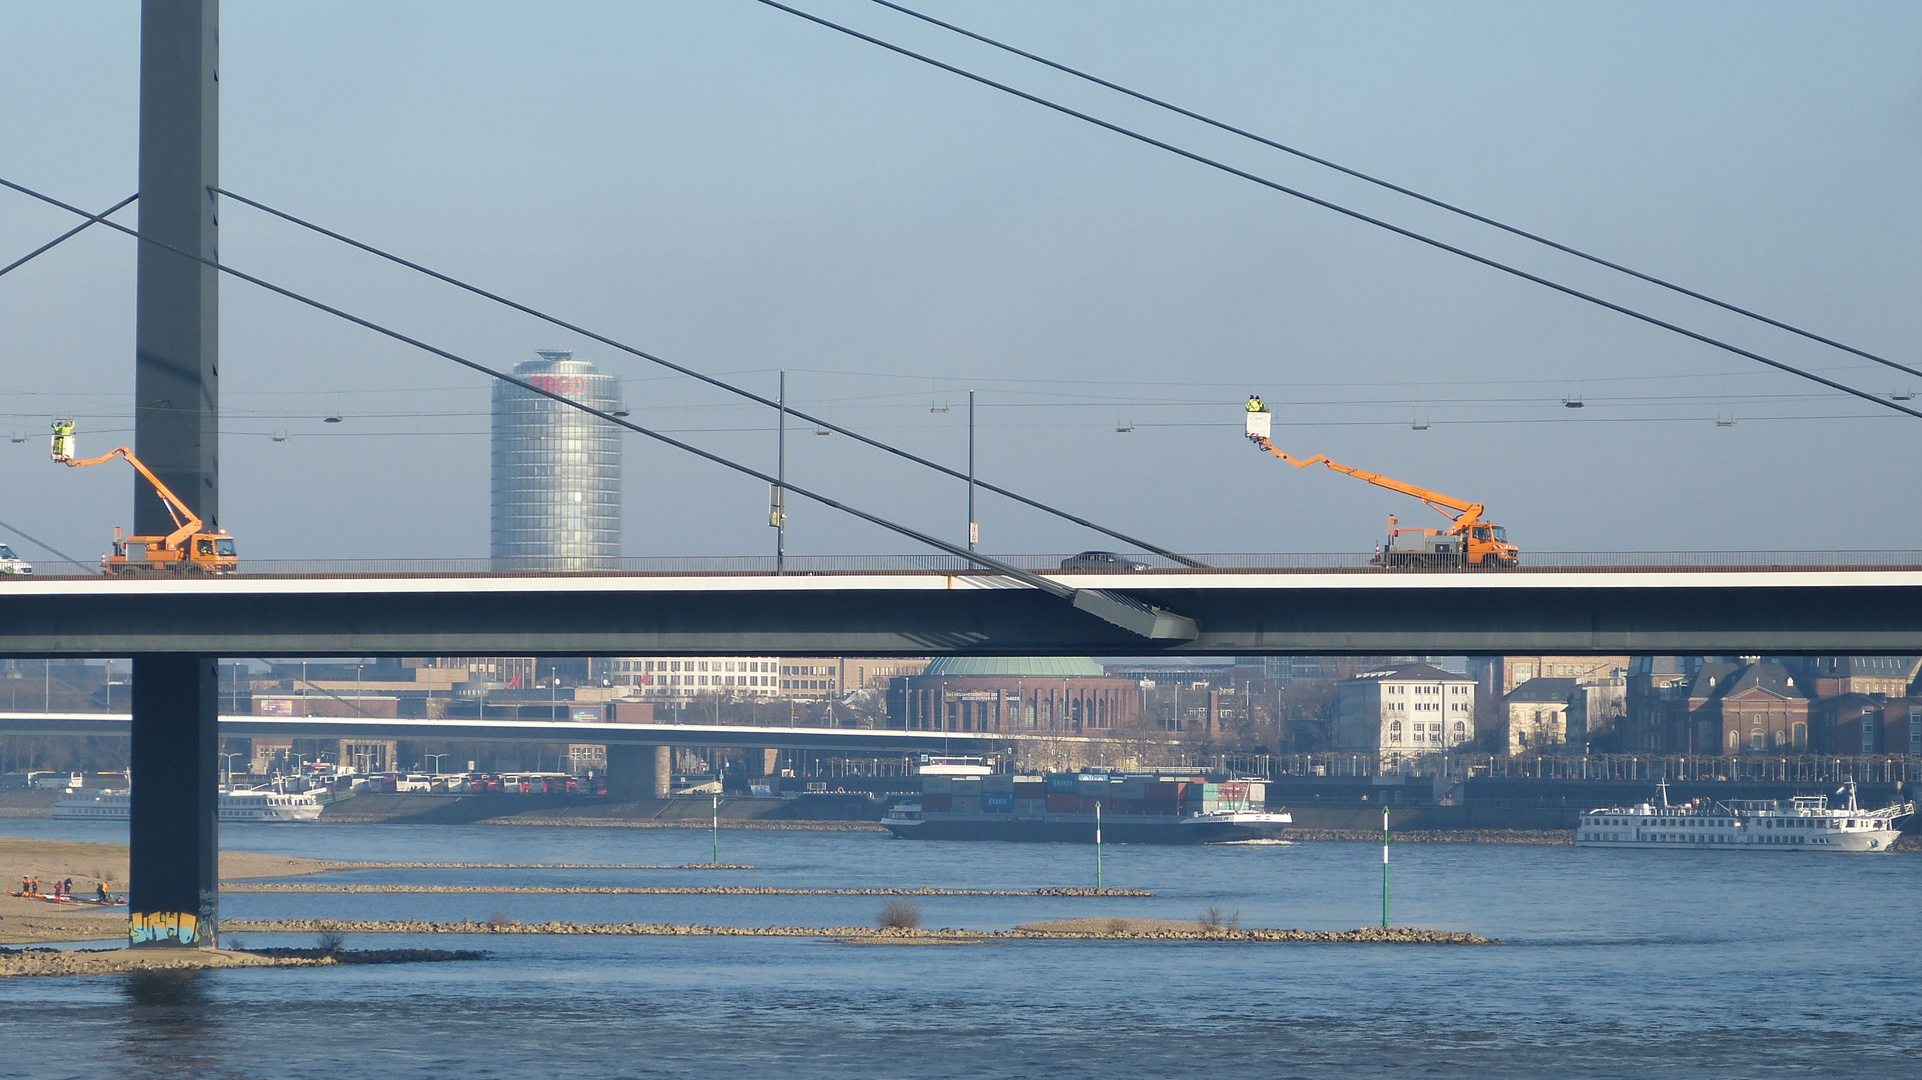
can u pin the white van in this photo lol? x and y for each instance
(13, 564)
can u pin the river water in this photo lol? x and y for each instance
(1615, 964)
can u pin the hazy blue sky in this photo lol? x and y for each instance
(741, 191)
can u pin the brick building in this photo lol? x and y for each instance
(1852, 724)
(1834, 676)
(1496, 676)
(1747, 707)
(1656, 715)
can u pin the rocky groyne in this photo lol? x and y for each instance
(662, 890)
(1112, 930)
(16, 963)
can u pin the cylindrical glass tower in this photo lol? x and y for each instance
(556, 470)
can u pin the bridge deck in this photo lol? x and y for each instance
(1247, 612)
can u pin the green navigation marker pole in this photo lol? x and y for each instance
(1097, 845)
(1384, 868)
(717, 830)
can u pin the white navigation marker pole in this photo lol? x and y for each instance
(1097, 845)
(1384, 868)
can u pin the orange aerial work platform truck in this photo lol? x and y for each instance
(1468, 542)
(185, 550)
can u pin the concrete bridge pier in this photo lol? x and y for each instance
(173, 883)
(639, 772)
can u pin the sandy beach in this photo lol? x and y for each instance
(25, 921)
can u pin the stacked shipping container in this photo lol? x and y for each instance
(1077, 793)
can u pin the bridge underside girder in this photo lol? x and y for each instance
(1702, 613)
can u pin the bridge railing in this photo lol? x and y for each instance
(1578, 768)
(1244, 562)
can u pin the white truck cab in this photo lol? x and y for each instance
(13, 564)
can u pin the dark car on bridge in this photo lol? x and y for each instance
(1101, 560)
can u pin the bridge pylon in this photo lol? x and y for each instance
(173, 880)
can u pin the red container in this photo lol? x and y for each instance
(939, 803)
(1061, 802)
(1030, 790)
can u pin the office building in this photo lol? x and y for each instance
(556, 490)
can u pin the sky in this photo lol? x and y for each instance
(742, 192)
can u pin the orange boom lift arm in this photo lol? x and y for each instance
(186, 522)
(1463, 514)
(1482, 543)
(185, 550)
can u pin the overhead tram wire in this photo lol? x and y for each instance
(1028, 578)
(1326, 204)
(92, 220)
(1397, 188)
(712, 381)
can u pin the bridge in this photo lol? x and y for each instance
(1275, 611)
(174, 629)
(638, 755)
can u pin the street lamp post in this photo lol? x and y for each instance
(436, 759)
(229, 761)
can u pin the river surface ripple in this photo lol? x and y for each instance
(1617, 964)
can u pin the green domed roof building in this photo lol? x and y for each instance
(1035, 667)
(1014, 694)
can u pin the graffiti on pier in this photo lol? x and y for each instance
(145, 928)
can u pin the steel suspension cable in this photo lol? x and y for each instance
(1397, 188)
(1357, 215)
(46, 546)
(1025, 577)
(708, 379)
(92, 220)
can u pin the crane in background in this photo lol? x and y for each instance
(1467, 542)
(185, 550)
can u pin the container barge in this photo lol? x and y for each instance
(1062, 808)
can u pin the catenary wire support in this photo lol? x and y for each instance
(1397, 188)
(1274, 185)
(779, 513)
(710, 380)
(1118, 609)
(974, 529)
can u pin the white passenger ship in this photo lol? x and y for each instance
(1803, 823)
(259, 804)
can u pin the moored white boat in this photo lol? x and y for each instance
(1803, 823)
(257, 804)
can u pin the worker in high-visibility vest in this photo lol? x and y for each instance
(1255, 405)
(62, 440)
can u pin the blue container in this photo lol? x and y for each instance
(1064, 783)
(995, 802)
